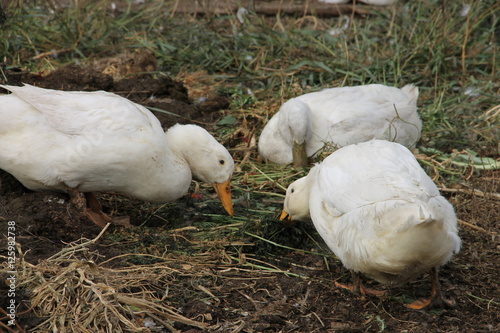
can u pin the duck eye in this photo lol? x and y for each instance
(293, 190)
(222, 162)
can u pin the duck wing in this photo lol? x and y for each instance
(356, 176)
(77, 113)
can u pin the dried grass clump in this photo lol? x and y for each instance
(76, 290)
(77, 295)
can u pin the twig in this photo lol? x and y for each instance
(476, 227)
(269, 178)
(208, 292)
(152, 108)
(484, 300)
(283, 246)
(18, 329)
(48, 53)
(479, 193)
(273, 269)
(79, 246)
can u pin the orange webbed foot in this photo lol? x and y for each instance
(363, 291)
(95, 214)
(436, 299)
(92, 209)
(358, 288)
(101, 219)
(431, 303)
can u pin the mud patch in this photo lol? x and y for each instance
(168, 98)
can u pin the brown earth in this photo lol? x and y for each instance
(218, 281)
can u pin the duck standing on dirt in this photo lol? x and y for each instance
(340, 117)
(380, 213)
(84, 142)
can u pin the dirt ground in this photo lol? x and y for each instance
(214, 283)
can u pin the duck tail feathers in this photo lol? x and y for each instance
(411, 90)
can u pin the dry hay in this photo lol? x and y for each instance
(126, 63)
(77, 290)
(77, 295)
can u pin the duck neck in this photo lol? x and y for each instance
(168, 178)
(184, 151)
(295, 121)
(307, 194)
(179, 179)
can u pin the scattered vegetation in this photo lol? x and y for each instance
(447, 48)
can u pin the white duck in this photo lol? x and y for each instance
(83, 142)
(379, 2)
(340, 117)
(369, 2)
(380, 213)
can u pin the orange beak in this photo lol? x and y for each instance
(224, 192)
(285, 216)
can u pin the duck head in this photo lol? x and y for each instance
(296, 206)
(208, 160)
(295, 128)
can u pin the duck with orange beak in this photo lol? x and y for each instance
(85, 142)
